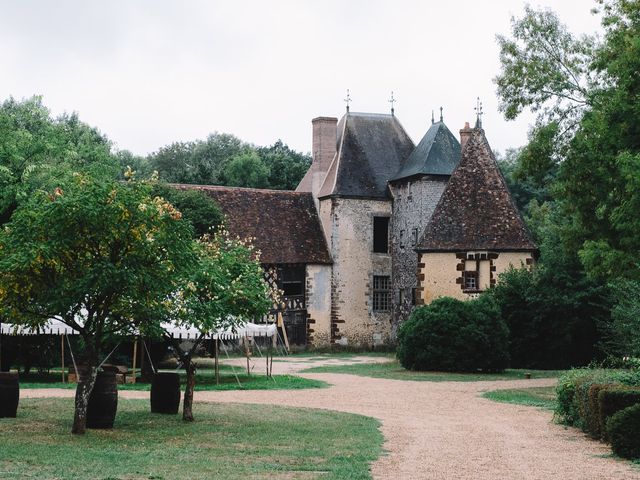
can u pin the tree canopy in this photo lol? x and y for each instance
(580, 172)
(224, 159)
(101, 256)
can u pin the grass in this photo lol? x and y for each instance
(543, 397)
(205, 380)
(393, 370)
(227, 441)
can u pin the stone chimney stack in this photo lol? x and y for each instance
(465, 134)
(325, 133)
(325, 137)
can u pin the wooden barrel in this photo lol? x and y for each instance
(103, 402)
(9, 395)
(165, 393)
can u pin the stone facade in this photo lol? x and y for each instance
(349, 224)
(414, 201)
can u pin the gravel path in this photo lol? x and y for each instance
(442, 430)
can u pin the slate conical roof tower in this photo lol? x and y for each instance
(476, 211)
(437, 154)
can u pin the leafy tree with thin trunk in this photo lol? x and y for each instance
(101, 256)
(225, 289)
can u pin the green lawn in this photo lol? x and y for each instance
(205, 380)
(393, 370)
(544, 397)
(225, 442)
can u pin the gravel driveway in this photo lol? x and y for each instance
(443, 430)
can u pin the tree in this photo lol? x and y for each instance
(101, 256)
(286, 166)
(225, 289)
(246, 170)
(544, 68)
(173, 162)
(590, 90)
(196, 207)
(35, 149)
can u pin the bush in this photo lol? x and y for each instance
(455, 336)
(593, 410)
(573, 391)
(622, 429)
(613, 400)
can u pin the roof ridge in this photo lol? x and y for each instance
(231, 187)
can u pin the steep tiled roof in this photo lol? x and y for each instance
(371, 149)
(438, 153)
(284, 224)
(476, 211)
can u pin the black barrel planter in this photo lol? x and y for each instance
(103, 402)
(165, 393)
(9, 395)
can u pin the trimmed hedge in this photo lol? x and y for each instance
(573, 391)
(451, 335)
(593, 409)
(612, 400)
(623, 428)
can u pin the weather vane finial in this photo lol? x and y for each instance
(348, 100)
(479, 112)
(440, 114)
(432, 119)
(392, 101)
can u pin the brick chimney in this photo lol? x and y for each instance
(325, 132)
(465, 134)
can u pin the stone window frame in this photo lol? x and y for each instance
(381, 293)
(478, 257)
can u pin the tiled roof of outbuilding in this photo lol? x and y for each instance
(284, 225)
(476, 211)
(438, 153)
(371, 149)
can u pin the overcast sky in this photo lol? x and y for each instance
(148, 73)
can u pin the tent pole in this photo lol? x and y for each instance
(246, 352)
(135, 353)
(62, 355)
(217, 366)
(142, 357)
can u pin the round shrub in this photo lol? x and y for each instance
(451, 335)
(622, 429)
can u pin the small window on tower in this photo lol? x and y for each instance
(401, 238)
(414, 237)
(381, 234)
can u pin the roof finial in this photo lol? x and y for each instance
(392, 101)
(479, 112)
(347, 100)
(432, 119)
(440, 114)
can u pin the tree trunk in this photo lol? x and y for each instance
(187, 406)
(83, 391)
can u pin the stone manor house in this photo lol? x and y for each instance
(379, 225)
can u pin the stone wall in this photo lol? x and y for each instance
(413, 204)
(441, 273)
(318, 303)
(349, 226)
